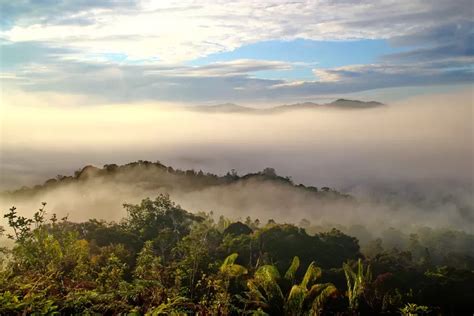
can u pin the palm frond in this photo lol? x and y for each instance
(231, 269)
(356, 282)
(322, 293)
(312, 274)
(267, 273)
(234, 270)
(229, 260)
(266, 277)
(294, 303)
(291, 272)
(254, 293)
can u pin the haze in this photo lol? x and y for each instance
(422, 138)
(412, 157)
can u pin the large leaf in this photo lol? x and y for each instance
(229, 260)
(318, 295)
(312, 274)
(266, 277)
(230, 269)
(291, 272)
(294, 303)
(267, 273)
(255, 293)
(259, 312)
(356, 282)
(234, 270)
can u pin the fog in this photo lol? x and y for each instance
(407, 163)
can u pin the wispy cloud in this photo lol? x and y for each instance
(181, 30)
(228, 80)
(135, 50)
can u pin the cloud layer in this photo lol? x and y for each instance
(413, 158)
(428, 137)
(136, 50)
(184, 30)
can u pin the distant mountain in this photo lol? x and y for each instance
(223, 108)
(354, 104)
(295, 106)
(339, 103)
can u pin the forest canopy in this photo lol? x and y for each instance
(162, 260)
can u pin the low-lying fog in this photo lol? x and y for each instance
(409, 162)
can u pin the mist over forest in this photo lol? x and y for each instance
(406, 163)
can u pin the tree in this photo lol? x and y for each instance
(195, 253)
(238, 228)
(269, 172)
(150, 217)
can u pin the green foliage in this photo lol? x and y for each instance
(148, 265)
(307, 298)
(150, 217)
(312, 273)
(34, 304)
(111, 274)
(162, 260)
(173, 307)
(411, 309)
(291, 272)
(356, 282)
(230, 269)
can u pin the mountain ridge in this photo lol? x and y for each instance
(157, 175)
(338, 104)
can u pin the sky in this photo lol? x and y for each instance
(249, 52)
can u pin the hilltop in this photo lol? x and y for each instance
(155, 175)
(337, 104)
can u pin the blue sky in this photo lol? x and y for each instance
(211, 52)
(322, 53)
(306, 54)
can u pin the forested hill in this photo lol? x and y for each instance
(337, 104)
(155, 175)
(160, 259)
(92, 250)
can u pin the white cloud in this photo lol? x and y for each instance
(326, 76)
(184, 30)
(222, 69)
(226, 81)
(63, 48)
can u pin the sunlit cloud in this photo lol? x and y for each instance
(143, 50)
(184, 30)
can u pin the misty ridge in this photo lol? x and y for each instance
(404, 165)
(342, 104)
(100, 193)
(155, 234)
(423, 140)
